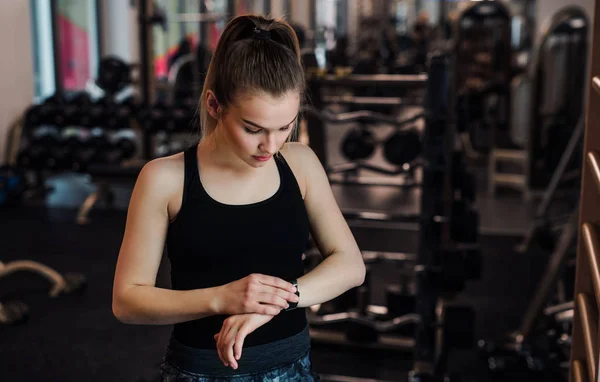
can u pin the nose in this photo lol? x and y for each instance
(269, 144)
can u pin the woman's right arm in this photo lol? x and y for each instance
(137, 300)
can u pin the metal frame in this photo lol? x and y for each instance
(58, 75)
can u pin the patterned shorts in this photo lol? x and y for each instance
(298, 371)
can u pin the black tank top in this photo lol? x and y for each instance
(211, 244)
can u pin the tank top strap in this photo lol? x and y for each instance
(191, 177)
(288, 179)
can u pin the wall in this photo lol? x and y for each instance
(119, 30)
(16, 67)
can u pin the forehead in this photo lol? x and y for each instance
(265, 110)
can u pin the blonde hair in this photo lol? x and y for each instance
(242, 63)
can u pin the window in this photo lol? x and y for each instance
(42, 46)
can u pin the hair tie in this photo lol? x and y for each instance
(261, 34)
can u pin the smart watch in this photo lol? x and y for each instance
(293, 305)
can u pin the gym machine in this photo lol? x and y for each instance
(483, 70)
(360, 143)
(419, 315)
(546, 103)
(16, 312)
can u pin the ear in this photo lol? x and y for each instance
(212, 105)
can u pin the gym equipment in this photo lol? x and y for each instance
(463, 180)
(12, 313)
(113, 75)
(454, 267)
(546, 105)
(77, 110)
(355, 146)
(351, 319)
(48, 112)
(156, 118)
(122, 146)
(358, 144)
(464, 227)
(402, 147)
(70, 283)
(400, 299)
(419, 316)
(540, 230)
(438, 265)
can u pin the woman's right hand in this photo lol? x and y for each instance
(255, 293)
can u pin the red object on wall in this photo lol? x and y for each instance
(74, 54)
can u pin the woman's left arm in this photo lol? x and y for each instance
(342, 267)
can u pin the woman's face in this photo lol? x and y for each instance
(256, 126)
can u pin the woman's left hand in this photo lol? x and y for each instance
(230, 339)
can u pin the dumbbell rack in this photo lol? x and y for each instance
(79, 135)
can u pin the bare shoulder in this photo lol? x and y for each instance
(303, 161)
(163, 176)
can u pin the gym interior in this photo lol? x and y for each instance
(480, 245)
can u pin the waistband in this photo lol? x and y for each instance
(255, 359)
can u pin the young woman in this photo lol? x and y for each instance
(235, 212)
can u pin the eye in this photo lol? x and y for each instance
(286, 128)
(251, 131)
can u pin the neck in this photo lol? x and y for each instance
(215, 150)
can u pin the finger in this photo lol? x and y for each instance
(216, 337)
(276, 282)
(228, 348)
(273, 299)
(291, 297)
(239, 343)
(222, 344)
(266, 309)
(219, 340)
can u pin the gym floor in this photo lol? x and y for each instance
(75, 337)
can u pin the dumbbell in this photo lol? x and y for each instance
(125, 111)
(33, 157)
(402, 147)
(122, 147)
(52, 110)
(156, 118)
(113, 74)
(91, 147)
(359, 143)
(76, 110)
(116, 116)
(45, 145)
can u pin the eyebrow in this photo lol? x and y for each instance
(261, 127)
